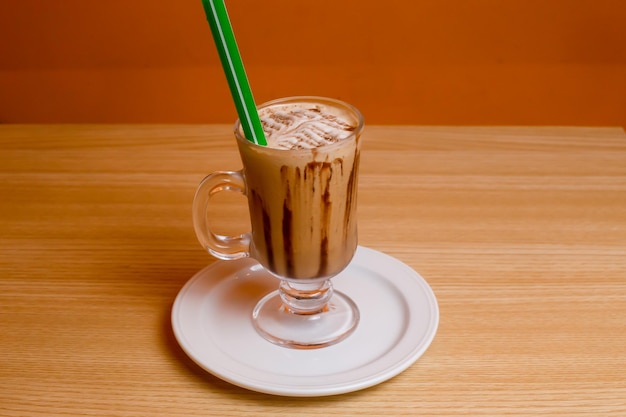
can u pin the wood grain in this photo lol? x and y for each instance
(521, 232)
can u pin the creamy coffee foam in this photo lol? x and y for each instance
(303, 127)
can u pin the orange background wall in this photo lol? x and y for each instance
(559, 62)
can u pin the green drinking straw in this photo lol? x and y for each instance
(224, 38)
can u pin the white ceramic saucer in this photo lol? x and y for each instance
(399, 318)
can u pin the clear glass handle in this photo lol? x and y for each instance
(220, 246)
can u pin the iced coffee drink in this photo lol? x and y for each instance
(301, 188)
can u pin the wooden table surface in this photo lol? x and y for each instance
(521, 233)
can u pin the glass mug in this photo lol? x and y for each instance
(302, 205)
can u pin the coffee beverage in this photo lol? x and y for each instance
(302, 187)
(301, 190)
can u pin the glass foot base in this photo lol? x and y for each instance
(278, 324)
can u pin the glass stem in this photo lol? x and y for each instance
(305, 299)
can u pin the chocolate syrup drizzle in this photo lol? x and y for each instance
(314, 174)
